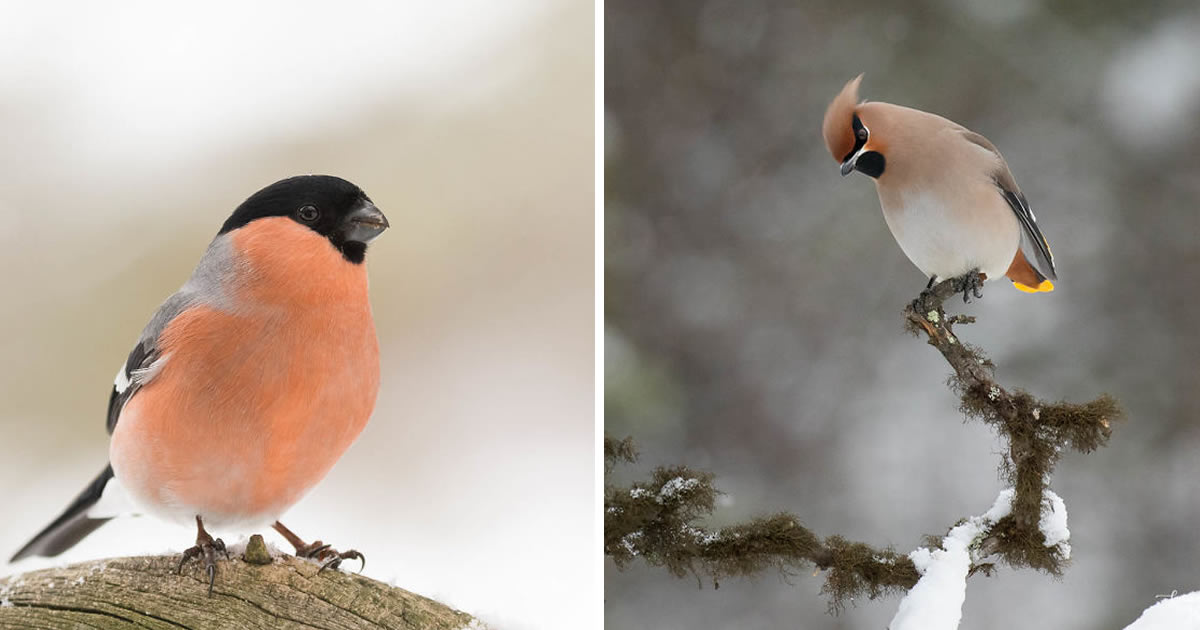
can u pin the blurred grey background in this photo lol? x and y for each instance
(753, 296)
(130, 132)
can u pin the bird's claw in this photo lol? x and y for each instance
(331, 558)
(969, 284)
(205, 546)
(336, 560)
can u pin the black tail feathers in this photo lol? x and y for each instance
(72, 526)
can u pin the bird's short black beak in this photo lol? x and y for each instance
(364, 223)
(848, 165)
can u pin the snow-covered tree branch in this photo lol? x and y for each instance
(1026, 527)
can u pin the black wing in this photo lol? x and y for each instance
(1043, 259)
(138, 368)
(127, 382)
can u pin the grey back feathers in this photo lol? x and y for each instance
(206, 286)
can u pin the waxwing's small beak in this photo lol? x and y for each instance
(364, 224)
(848, 165)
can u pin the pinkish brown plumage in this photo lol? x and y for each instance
(946, 192)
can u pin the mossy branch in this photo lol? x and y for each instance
(656, 520)
(1037, 431)
(145, 592)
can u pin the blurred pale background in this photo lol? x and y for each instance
(130, 132)
(753, 296)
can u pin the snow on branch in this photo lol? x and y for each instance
(1037, 431)
(935, 603)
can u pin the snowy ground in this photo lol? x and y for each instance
(1178, 612)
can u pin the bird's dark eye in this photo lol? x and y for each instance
(861, 133)
(308, 214)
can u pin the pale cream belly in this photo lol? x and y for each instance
(948, 244)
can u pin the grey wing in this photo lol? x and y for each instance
(1033, 244)
(145, 360)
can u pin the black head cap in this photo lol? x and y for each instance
(330, 206)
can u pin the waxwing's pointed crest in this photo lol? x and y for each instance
(838, 127)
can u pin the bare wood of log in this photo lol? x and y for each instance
(146, 592)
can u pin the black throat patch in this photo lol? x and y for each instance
(870, 163)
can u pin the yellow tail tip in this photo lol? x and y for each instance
(1044, 287)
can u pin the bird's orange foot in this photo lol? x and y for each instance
(330, 557)
(205, 546)
(970, 284)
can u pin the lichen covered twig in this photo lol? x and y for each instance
(1037, 431)
(658, 520)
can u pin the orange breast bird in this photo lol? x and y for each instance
(252, 380)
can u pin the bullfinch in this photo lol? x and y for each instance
(250, 381)
(946, 192)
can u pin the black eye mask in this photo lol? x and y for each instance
(860, 137)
